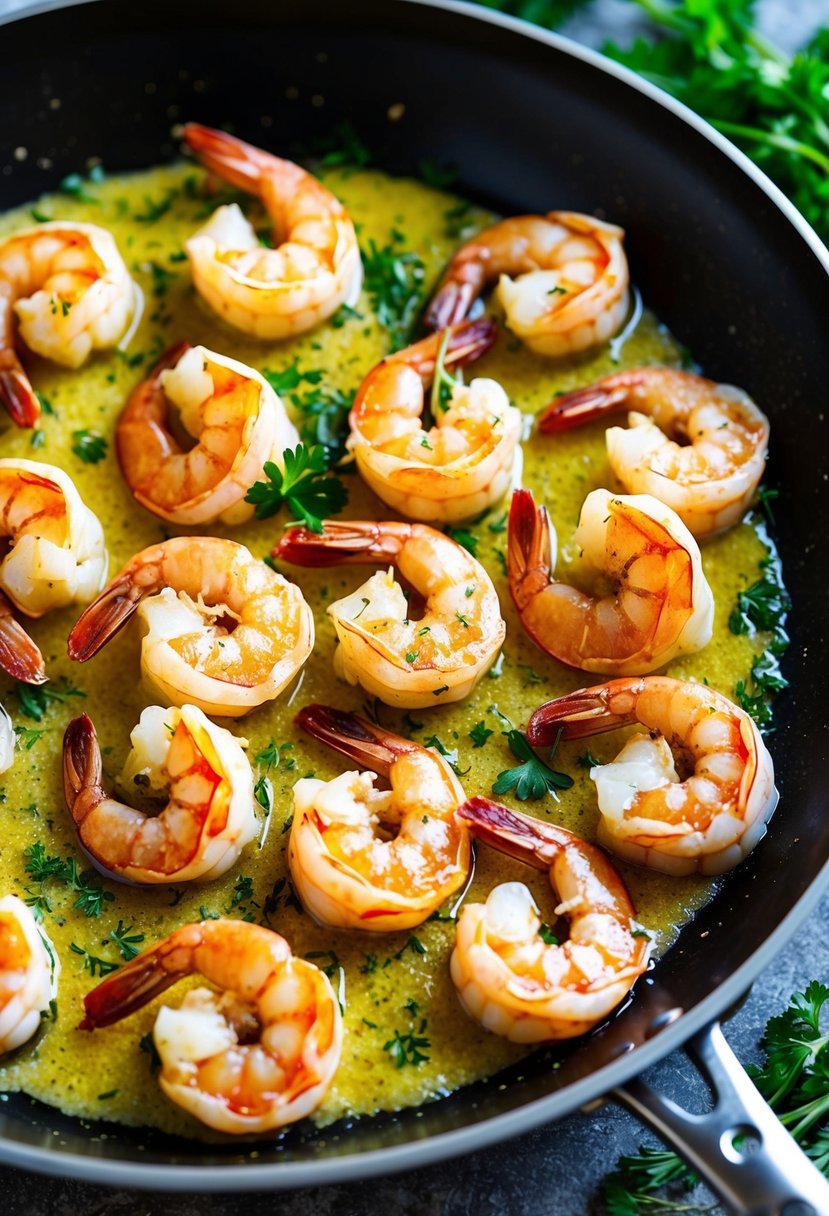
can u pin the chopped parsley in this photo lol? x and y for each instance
(35, 699)
(450, 753)
(394, 282)
(89, 446)
(43, 868)
(305, 487)
(128, 943)
(408, 1048)
(480, 733)
(97, 967)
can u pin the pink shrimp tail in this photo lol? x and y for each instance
(341, 543)
(82, 768)
(144, 978)
(354, 737)
(538, 844)
(104, 617)
(581, 406)
(529, 550)
(462, 284)
(17, 396)
(234, 161)
(19, 657)
(585, 712)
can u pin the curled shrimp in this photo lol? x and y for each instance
(708, 822)
(272, 293)
(406, 656)
(207, 820)
(7, 740)
(513, 980)
(661, 605)
(232, 413)
(19, 656)
(253, 1056)
(377, 860)
(223, 631)
(697, 446)
(29, 970)
(562, 280)
(71, 293)
(459, 466)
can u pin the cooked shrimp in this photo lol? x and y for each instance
(697, 446)
(71, 293)
(562, 280)
(517, 983)
(29, 970)
(54, 552)
(207, 821)
(708, 822)
(377, 860)
(272, 293)
(235, 417)
(459, 466)
(661, 605)
(406, 656)
(7, 741)
(259, 1053)
(19, 656)
(224, 632)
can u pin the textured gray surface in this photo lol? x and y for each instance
(556, 1170)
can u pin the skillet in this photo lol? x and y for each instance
(532, 122)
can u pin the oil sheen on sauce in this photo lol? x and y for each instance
(387, 983)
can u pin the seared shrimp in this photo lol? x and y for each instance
(562, 280)
(7, 741)
(459, 466)
(53, 555)
(516, 982)
(207, 821)
(71, 293)
(708, 822)
(232, 413)
(258, 1053)
(19, 656)
(377, 860)
(697, 446)
(224, 633)
(29, 970)
(661, 605)
(272, 293)
(406, 656)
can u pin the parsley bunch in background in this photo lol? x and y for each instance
(710, 55)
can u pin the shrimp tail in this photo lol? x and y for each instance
(520, 836)
(16, 393)
(587, 711)
(19, 657)
(458, 292)
(354, 737)
(581, 406)
(104, 617)
(234, 161)
(470, 340)
(529, 549)
(144, 978)
(82, 768)
(342, 543)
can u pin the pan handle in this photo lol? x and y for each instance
(766, 1174)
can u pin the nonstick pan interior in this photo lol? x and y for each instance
(531, 123)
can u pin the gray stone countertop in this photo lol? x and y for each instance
(556, 1170)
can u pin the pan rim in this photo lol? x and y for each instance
(252, 1176)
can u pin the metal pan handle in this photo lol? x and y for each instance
(765, 1174)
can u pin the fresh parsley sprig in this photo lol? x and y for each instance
(532, 778)
(305, 487)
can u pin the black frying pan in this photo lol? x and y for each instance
(532, 122)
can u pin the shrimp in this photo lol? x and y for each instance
(255, 1055)
(223, 632)
(272, 293)
(513, 980)
(54, 552)
(697, 446)
(458, 467)
(661, 605)
(29, 971)
(562, 280)
(7, 740)
(19, 656)
(235, 417)
(207, 821)
(406, 656)
(71, 293)
(708, 822)
(377, 860)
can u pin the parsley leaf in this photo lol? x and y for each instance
(480, 733)
(394, 282)
(305, 487)
(89, 446)
(532, 778)
(407, 1048)
(451, 754)
(35, 698)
